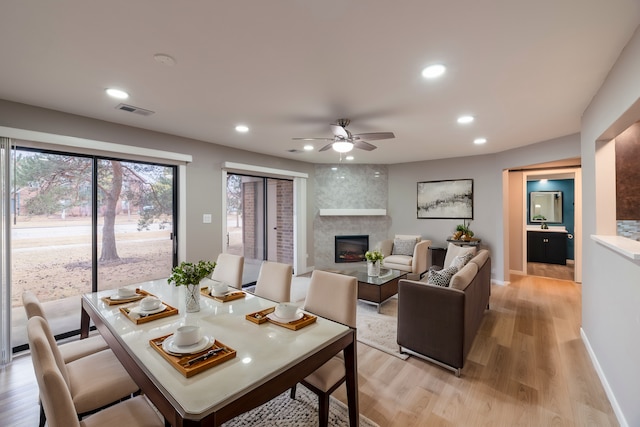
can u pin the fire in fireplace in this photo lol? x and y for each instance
(351, 248)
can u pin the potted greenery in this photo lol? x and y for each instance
(189, 275)
(374, 259)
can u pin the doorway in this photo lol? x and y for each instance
(259, 221)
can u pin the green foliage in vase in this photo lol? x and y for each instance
(373, 256)
(188, 273)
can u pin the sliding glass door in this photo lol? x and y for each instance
(259, 221)
(85, 223)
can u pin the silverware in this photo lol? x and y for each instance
(205, 356)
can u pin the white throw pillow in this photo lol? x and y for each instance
(454, 251)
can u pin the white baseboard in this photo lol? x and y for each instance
(500, 282)
(603, 379)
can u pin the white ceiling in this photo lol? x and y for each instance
(288, 68)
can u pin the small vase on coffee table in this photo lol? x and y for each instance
(373, 268)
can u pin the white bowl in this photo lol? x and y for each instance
(286, 310)
(150, 303)
(126, 292)
(186, 335)
(219, 288)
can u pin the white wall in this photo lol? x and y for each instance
(611, 288)
(486, 172)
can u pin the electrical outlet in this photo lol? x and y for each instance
(206, 218)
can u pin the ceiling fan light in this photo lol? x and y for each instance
(342, 146)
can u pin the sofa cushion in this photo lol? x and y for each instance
(403, 247)
(398, 259)
(455, 250)
(461, 260)
(441, 277)
(462, 278)
(480, 258)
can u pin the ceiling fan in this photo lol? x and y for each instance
(344, 141)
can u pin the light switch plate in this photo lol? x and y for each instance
(206, 218)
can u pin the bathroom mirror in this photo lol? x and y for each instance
(545, 206)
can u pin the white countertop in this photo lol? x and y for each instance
(263, 351)
(552, 228)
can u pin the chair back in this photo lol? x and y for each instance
(274, 281)
(32, 305)
(333, 296)
(54, 390)
(229, 269)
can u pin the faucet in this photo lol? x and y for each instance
(544, 226)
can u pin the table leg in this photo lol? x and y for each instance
(84, 323)
(351, 367)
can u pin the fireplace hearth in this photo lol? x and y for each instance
(351, 248)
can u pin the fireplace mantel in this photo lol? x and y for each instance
(353, 212)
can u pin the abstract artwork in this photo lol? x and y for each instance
(445, 199)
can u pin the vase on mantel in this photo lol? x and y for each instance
(192, 297)
(373, 268)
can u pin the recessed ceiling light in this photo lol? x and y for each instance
(117, 93)
(308, 147)
(242, 128)
(433, 71)
(334, 168)
(349, 158)
(465, 119)
(479, 141)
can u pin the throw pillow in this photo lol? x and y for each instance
(441, 277)
(403, 247)
(461, 260)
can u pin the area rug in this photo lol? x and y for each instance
(379, 330)
(301, 412)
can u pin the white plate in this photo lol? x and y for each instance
(275, 318)
(117, 297)
(138, 310)
(170, 347)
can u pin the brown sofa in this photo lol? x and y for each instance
(439, 323)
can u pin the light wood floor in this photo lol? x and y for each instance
(554, 271)
(528, 367)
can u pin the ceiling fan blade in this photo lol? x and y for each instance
(312, 139)
(363, 145)
(375, 135)
(339, 131)
(326, 147)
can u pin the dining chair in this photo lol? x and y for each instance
(72, 350)
(57, 398)
(333, 296)
(274, 281)
(229, 269)
(94, 381)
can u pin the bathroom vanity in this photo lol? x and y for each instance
(547, 246)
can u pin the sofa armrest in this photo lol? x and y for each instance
(421, 261)
(431, 321)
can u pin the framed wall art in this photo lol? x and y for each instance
(448, 199)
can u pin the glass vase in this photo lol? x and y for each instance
(373, 268)
(192, 298)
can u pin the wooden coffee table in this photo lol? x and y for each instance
(376, 290)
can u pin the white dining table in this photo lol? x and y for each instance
(269, 360)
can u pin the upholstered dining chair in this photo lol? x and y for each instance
(335, 297)
(57, 398)
(274, 281)
(229, 269)
(72, 350)
(94, 381)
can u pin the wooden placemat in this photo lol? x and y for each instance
(138, 296)
(169, 311)
(229, 297)
(260, 317)
(180, 362)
